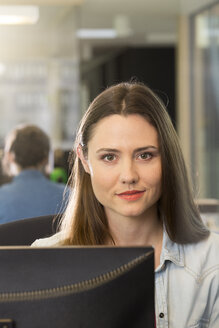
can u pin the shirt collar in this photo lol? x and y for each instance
(171, 251)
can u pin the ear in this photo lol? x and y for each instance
(83, 159)
(8, 157)
(8, 162)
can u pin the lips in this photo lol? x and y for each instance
(131, 195)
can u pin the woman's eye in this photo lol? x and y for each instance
(145, 156)
(108, 157)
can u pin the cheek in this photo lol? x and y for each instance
(154, 176)
(158, 180)
(157, 176)
(101, 182)
(101, 186)
(101, 178)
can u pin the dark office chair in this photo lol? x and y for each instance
(25, 231)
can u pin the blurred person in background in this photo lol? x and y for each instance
(30, 193)
(4, 178)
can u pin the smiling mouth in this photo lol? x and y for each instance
(131, 195)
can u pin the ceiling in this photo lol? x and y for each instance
(148, 21)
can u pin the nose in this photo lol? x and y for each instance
(129, 174)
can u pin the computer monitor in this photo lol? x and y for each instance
(79, 287)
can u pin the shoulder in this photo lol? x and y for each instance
(6, 187)
(214, 239)
(208, 245)
(53, 241)
(7, 191)
(203, 256)
(57, 186)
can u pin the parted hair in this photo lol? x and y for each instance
(30, 146)
(84, 220)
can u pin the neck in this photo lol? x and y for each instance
(16, 169)
(146, 230)
(131, 231)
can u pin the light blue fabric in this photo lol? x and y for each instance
(30, 194)
(187, 284)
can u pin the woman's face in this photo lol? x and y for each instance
(124, 164)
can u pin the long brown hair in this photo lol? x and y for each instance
(84, 220)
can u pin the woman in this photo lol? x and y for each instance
(130, 187)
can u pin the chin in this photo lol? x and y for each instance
(138, 212)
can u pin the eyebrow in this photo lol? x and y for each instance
(113, 150)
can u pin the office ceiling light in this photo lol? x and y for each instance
(89, 33)
(122, 26)
(12, 15)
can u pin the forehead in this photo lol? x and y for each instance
(118, 130)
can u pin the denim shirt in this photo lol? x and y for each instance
(187, 284)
